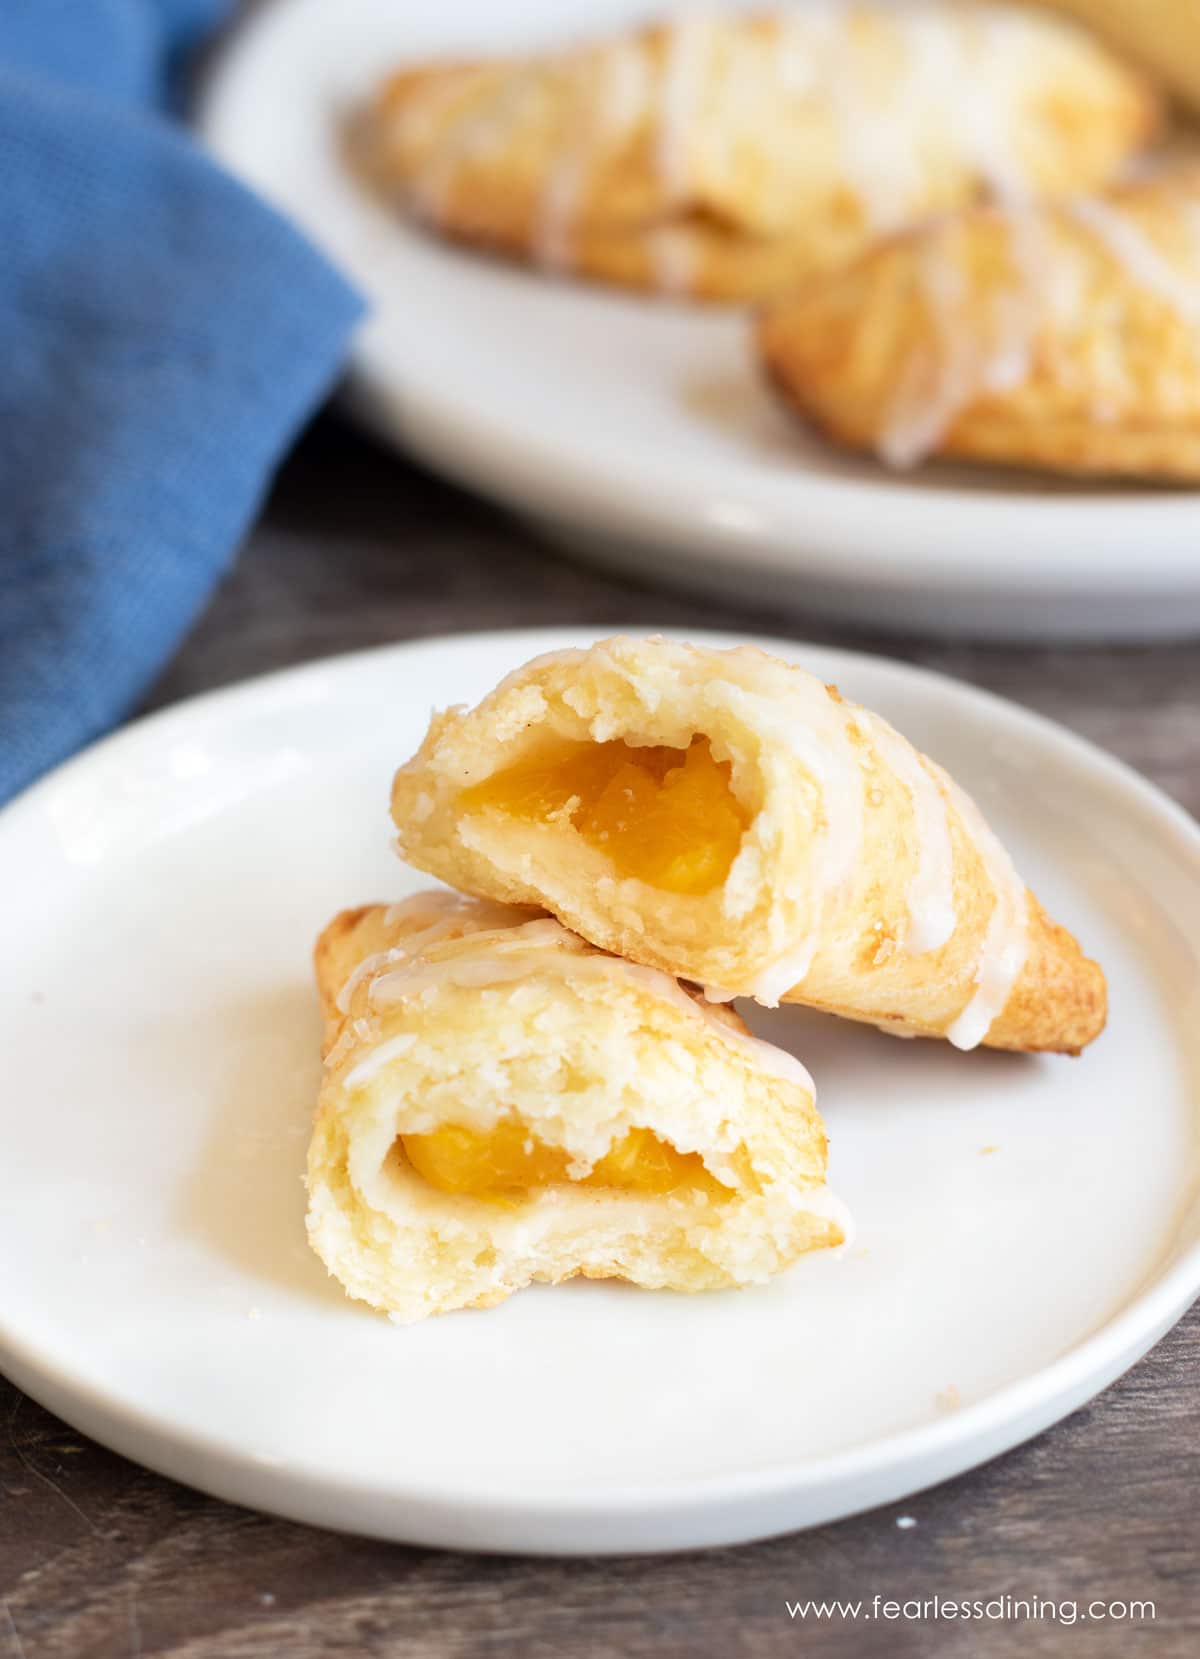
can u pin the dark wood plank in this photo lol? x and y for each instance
(99, 1558)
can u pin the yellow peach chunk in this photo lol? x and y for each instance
(509, 1158)
(666, 816)
(641, 1162)
(459, 1160)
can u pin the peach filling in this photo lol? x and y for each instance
(509, 1158)
(667, 816)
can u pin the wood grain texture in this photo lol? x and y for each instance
(100, 1558)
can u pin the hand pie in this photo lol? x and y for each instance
(726, 818)
(1065, 337)
(724, 157)
(504, 1104)
(1163, 34)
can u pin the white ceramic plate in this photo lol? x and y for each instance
(1027, 1227)
(638, 432)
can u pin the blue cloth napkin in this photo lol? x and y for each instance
(163, 335)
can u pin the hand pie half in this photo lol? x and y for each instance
(724, 157)
(1065, 337)
(504, 1104)
(727, 818)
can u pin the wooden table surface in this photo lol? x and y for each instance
(99, 1558)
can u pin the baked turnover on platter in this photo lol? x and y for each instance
(1066, 337)
(724, 817)
(502, 1103)
(724, 157)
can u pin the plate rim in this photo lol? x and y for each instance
(946, 1446)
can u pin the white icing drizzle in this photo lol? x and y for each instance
(815, 727)
(491, 956)
(411, 981)
(433, 903)
(937, 382)
(624, 88)
(446, 916)
(1005, 945)
(876, 161)
(558, 209)
(795, 53)
(931, 913)
(959, 362)
(947, 373)
(438, 907)
(774, 981)
(1010, 360)
(1191, 218)
(681, 96)
(983, 107)
(421, 113)
(689, 45)
(673, 252)
(477, 135)
(366, 969)
(353, 1031)
(609, 101)
(1129, 244)
(379, 1057)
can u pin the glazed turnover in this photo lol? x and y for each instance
(726, 157)
(1064, 337)
(724, 817)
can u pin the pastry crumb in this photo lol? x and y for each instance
(885, 949)
(948, 1398)
(986, 1151)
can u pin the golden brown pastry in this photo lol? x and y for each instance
(503, 1104)
(725, 817)
(724, 157)
(1065, 337)
(1162, 34)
